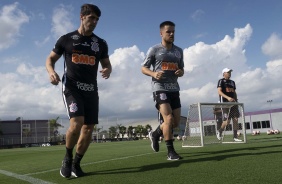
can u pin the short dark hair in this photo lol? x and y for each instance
(87, 9)
(166, 23)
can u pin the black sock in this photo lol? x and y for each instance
(220, 131)
(77, 158)
(235, 133)
(69, 153)
(158, 132)
(169, 145)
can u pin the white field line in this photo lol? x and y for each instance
(91, 163)
(24, 177)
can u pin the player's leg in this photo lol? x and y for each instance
(155, 135)
(235, 129)
(219, 129)
(75, 108)
(173, 118)
(158, 129)
(176, 114)
(167, 125)
(90, 119)
(81, 147)
(225, 122)
(235, 115)
(72, 136)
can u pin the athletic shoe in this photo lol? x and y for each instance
(154, 142)
(66, 168)
(172, 155)
(218, 136)
(237, 140)
(76, 170)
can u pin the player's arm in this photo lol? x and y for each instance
(148, 61)
(50, 66)
(156, 75)
(219, 90)
(180, 69)
(106, 68)
(235, 96)
(179, 72)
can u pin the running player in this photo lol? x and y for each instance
(166, 60)
(226, 89)
(82, 50)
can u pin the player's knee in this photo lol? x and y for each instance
(87, 130)
(75, 129)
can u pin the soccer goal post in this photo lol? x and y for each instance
(205, 119)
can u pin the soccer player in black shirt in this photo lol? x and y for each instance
(227, 93)
(82, 51)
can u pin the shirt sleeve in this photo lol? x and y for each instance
(181, 65)
(105, 50)
(234, 85)
(219, 83)
(59, 47)
(150, 58)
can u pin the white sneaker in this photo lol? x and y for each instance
(237, 140)
(218, 136)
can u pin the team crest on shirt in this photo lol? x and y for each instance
(95, 46)
(177, 54)
(163, 96)
(73, 107)
(75, 37)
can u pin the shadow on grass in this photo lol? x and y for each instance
(190, 158)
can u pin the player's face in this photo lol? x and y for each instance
(227, 75)
(167, 33)
(90, 22)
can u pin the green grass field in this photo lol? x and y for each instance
(257, 161)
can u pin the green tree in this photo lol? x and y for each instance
(139, 130)
(122, 130)
(26, 132)
(147, 129)
(54, 126)
(96, 129)
(129, 131)
(112, 132)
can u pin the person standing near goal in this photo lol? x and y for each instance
(227, 93)
(83, 51)
(217, 111)
(166, 60)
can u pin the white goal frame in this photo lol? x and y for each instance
(201, 126)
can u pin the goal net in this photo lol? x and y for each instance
(205, 119)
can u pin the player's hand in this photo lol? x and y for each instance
(54, 78)
(105, 72)
(179, 73)
(231, 99)
(158, 75)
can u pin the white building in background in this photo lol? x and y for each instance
(263, 120)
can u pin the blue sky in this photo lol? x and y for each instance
(239, 34)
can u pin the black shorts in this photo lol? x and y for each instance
(80, 103)
(233, 113)
(172, 98)
(218, 119)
